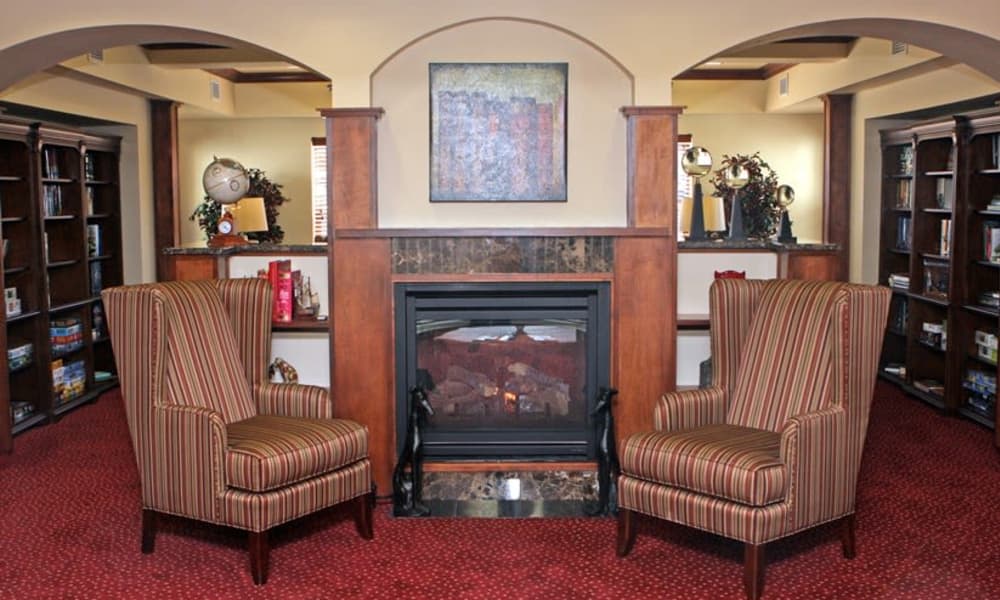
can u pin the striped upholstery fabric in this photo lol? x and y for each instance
(789, 362)
(266, 452)
(192, 362)
(794, 363)
(728, 461)
(203, 352)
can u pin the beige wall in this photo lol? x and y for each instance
(279, 147)
(595, 130)
(79, 98)
(791, 144)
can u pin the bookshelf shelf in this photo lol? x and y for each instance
(954, 223)
(57, 175)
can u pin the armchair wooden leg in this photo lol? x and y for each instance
(626, 531)
(363, 515)
(847, 525)
(148, 530)
(753, 570)
(259, 552)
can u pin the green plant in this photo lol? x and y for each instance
(761, 212)
(208, 212)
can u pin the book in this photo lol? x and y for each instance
(94, 240)
(944, 243)
(991, 241)
(904, 236)
(903, 193)
(280, 277)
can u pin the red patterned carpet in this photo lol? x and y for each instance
(928, 527)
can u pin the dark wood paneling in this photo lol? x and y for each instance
(351, 167)
(193, 267)
(361, 362)
(644, 306)
(163, 129)
(652, 166)
(837, 177)
(819, 266)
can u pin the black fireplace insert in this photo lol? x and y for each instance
(511, 370)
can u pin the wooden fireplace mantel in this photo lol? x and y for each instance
(362, 276)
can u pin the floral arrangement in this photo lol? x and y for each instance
(209, 211)
(761, 211)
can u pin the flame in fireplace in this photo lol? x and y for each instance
(510, 403)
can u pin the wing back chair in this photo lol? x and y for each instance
(774, 445)
(214, 440)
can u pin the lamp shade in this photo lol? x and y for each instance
(249, 214)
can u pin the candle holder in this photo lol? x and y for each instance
(736, 176)
(696, 162)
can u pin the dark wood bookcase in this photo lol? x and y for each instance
(61, 225)
(940, 200)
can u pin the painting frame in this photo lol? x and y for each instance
(498, 131)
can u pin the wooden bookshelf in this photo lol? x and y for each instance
(949, 203)
(52, 180)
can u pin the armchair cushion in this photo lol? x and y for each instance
(268, 451)
(741, 464)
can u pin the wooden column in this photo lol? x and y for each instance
(644, 293)
(652, 165)
(837, 177)
(361, 338)
(163, 124)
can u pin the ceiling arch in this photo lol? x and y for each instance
(27, 58)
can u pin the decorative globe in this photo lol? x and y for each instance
(225, 180)
(737, 176)
(696, 161)
(784, 195)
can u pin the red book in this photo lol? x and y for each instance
(284, 295)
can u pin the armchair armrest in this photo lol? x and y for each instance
(185, 470)
(814, 449)
(690, 408)
(293, 400)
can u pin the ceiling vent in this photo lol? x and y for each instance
(96, 57)
(215, 89)
(783, 85)
(900, 47)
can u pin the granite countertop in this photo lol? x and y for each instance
(754, 245)
(249, 249)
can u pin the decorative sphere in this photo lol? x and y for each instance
(225, 180)
(696, 161)
(784, 195)
(737, 176)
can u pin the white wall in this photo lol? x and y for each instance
(596, 141)
(792, 144)
(280, 147)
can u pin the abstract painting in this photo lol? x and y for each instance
(498, 132)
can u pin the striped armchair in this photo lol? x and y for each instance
(773, 447)
(213, 439)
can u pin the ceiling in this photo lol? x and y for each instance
(253, 65)
(767, 60)
(239, 65)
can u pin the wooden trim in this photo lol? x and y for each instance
(350, 233)
(163, 129)
(651, 111)
(237, 76)
(373, 112)
(480, 466)
(837, 110)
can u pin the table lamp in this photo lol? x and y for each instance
(249, 215)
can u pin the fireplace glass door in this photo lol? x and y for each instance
(510, 370)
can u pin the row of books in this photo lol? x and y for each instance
(900, 281)
(19, 355)
(66, 335)
(294, 297)
(991, 241)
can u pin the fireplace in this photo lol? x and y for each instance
(512, 370)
